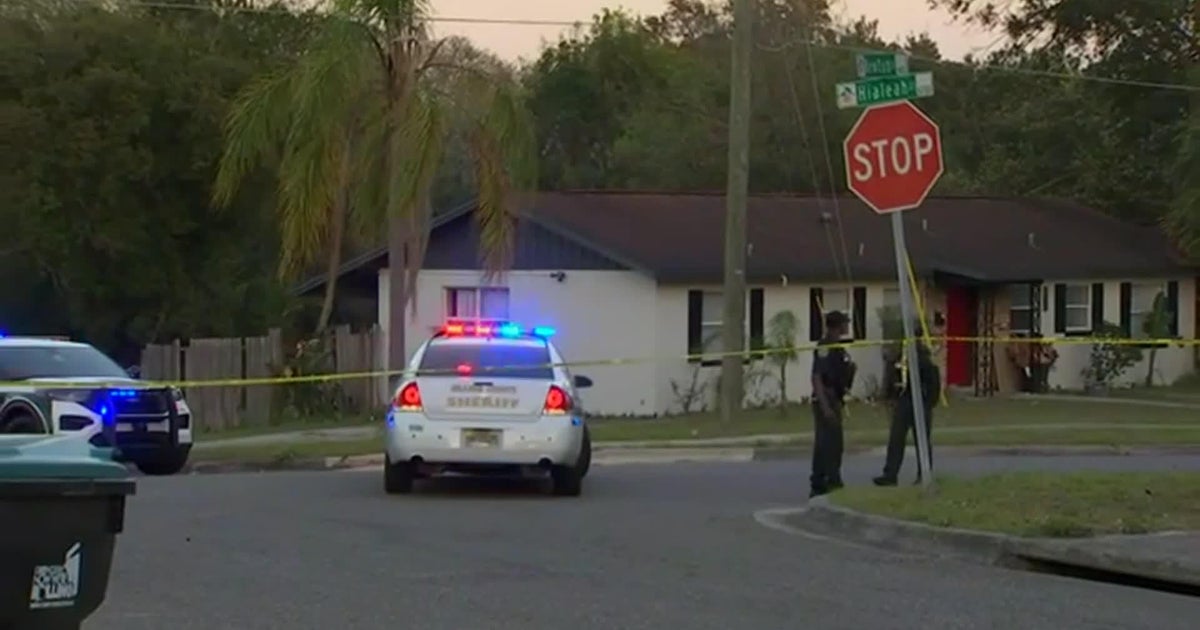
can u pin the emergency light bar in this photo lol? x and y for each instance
(494, 329)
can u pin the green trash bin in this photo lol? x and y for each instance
(62, 504)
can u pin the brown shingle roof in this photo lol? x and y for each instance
(679, 237)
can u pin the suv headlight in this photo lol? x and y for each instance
(80, 396)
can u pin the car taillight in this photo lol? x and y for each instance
(557, 401)
(409, 398)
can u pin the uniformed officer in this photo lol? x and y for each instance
(897, 380)
(832, 376)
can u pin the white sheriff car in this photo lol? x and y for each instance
(487, 398)
(50, 386)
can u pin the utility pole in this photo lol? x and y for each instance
(734, 291)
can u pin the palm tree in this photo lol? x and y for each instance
(355, 130)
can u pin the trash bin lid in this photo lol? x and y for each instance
(66, 456)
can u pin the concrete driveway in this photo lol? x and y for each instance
(646, 547)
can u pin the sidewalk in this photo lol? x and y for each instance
(1166, 558)
(1172, 557)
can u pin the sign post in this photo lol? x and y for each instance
(893, 159)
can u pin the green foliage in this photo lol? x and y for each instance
(1108, 361)
(110, 128)
(781, 347)
(318, 399)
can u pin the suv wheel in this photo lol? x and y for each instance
(22, 422)
(162, 465)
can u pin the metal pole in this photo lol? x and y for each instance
(910, 350)
(734, 290)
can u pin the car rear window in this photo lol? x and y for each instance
(497, 360)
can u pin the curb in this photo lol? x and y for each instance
(1163, 569)
(988, 548)
(901, 536)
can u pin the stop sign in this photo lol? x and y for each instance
(893, 157)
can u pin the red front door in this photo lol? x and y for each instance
(960, 314)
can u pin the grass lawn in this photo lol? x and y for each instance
(997, 412)
(307, 424)
(281, 453)
(1043, 504)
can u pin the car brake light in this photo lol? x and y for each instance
(557, 401)
(409, 398)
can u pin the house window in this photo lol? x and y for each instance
(1077, 310)
(705, 322)
(477, 303)
(837, 300)
(711, 321)
(1141, 306)
(1020, 309)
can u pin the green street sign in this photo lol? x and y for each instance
(877, 90)
(881, 65)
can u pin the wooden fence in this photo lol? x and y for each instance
(235, 359)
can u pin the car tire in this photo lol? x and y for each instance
(23, 422)
(397, 478)
(585, 453)
(567, 481)
(166, 464)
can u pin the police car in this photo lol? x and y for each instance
(52, 386)
(487, 398)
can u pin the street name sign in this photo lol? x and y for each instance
(884, 89)
(881, 64)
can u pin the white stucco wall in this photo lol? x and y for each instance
(671, 322)
(597, 315)
(1170, 363)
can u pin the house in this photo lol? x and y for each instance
(637, 276)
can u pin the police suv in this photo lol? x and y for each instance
(49, 386)
(487, 398)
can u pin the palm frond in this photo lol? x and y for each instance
(326, 86)
(421, 133)
(370, 190)
(256, 126)
(504, 150)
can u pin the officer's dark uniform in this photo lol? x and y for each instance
(833, 371)
(897, 387)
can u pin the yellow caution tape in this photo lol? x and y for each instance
(712, 356)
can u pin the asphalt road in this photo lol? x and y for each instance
(646, 547)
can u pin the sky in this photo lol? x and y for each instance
(896, 19)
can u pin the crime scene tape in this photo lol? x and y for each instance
(752, 354)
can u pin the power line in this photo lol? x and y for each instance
(977, 66)
(1047, 74)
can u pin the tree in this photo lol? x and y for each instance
(584, 88)
(1143, 42)
(110, 127)
(358, 127)
(781, 348)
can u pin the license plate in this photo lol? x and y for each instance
(481, 438)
